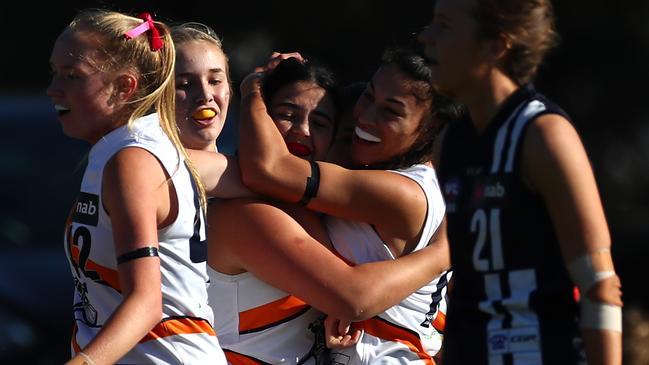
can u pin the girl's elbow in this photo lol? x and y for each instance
(360, 313)
(358, 307)
(254, 174)
(350, 311)
(365, 309)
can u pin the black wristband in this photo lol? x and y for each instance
(137, 254)
(312, 184)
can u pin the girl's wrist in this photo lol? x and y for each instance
(250, 93)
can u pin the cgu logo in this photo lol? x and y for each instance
(498, 342)
(86, 209)
(522, 338)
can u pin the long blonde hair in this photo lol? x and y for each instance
(155, 69)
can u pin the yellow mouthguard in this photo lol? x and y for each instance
(204, 114)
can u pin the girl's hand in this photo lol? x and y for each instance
(252, 82)
(337, 334)
(277, 57)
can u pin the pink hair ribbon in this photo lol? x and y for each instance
(155, 40)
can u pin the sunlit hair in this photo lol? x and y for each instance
(199, 32)
(291, 71)
(440, 110)
(528, 25)
(155, 90)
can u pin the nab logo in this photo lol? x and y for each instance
(494, 190)
(489, 190)
(86, 209)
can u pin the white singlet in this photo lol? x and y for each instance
(184, 334)
(405, 333)
(259, 324)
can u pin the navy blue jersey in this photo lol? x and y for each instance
(513, 301)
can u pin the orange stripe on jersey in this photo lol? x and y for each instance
(179, 326)
(440, 321)
(73, 340)
(381, 328)
(235, 358)
(108, 276)
(271, 314)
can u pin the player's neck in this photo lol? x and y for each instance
(485, 99)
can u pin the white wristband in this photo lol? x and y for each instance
(601, 316)
(584, 274)
(86, 357)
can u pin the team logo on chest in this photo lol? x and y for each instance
(490, 188)
(451, 192)
(86, 210)
(495, 190)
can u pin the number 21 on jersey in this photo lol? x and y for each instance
(486, 226)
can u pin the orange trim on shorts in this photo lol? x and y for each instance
(235, 358)
(271, 314)
(440, 321)
(109, 276)
(179, 326)
(385, 330)
(73, 339)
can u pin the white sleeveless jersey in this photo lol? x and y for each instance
(260, 324)
(405, 333)
(184, 334)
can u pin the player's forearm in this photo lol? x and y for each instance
(603, 347)
(121, 332)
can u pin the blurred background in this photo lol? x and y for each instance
(598, 74)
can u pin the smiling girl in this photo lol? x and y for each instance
(134, 250)
(372, 216)
(203, 88)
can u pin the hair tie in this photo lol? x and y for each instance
(155, 40)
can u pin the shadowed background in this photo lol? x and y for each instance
(597, 74)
